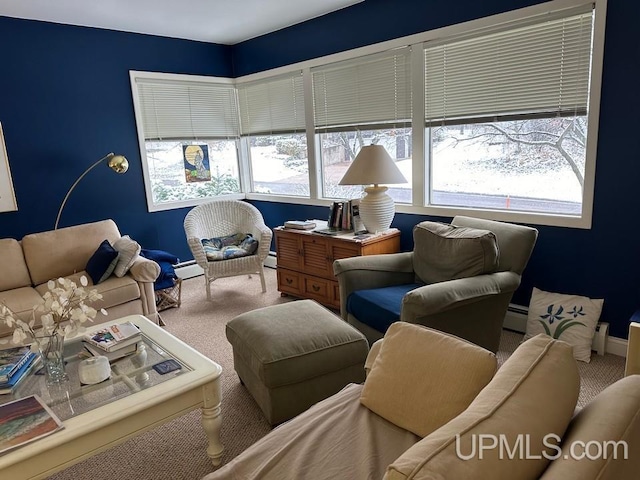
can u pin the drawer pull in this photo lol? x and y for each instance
(315, 288)
(288, 280)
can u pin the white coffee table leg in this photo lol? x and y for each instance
(212, 421)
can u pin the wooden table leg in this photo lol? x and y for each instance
(212, 420)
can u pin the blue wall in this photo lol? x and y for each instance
(65, 101)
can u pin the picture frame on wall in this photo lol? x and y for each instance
(7, 194)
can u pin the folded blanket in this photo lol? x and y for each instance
(166, 260)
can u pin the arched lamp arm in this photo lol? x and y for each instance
(66, 197)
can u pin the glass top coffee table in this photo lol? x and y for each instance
(135, 399)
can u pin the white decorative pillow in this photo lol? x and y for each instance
(570, 318)
(128, 251)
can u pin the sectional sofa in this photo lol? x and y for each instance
(27, 265)
(433, 407)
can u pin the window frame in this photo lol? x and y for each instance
(421, 164)
(285, 88)
(421, 180)
(171, 77)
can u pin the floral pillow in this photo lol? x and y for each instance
(570, 318)
(231, 246)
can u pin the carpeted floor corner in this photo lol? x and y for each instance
(177, 450)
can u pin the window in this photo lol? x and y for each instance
(272, 117)
(506, 113)
(338, 150)
(190, 131)
(172, 182)
(496, 116)
(360, 102)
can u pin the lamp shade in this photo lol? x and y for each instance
(372, 165)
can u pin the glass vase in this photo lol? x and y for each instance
(52, 354)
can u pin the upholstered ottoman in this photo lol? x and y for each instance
(293, 355)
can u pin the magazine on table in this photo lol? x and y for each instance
(11, 359)
(114, 337)
(24, 421)
(22, 373)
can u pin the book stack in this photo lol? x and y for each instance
(345, 216)
(113, 341)
(300, 224)
(15, 365)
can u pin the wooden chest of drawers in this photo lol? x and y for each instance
(305, 260)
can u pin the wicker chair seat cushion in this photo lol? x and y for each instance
(230, 246)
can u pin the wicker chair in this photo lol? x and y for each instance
(221, 218)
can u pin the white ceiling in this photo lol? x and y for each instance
(216, 21)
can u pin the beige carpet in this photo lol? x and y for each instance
(177, 450)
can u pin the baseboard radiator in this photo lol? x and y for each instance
(191, 269)
(516, 320)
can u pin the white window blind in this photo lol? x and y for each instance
(272, 105)
(533, 70)
(371, 90)
(187, 110)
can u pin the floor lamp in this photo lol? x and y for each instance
(117, 163)
(373, 165)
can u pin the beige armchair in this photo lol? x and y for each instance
(458, 279)
(221, 218)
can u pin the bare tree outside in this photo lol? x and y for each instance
(539, 160)
(339, 149)
(544, 144)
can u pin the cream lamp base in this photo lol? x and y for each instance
(377, 209)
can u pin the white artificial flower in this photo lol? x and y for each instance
(64, 301)
(19, 336)
(47, 320)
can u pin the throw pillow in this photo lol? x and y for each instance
(232, 246)
(445, 252)
(102, 263)
(611, 420)
(570, 318)
(423, 378)
(128, 252)
(525, 408)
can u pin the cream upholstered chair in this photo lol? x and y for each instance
(221, 218)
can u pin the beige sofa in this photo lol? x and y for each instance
(370, 431)
(28, 265)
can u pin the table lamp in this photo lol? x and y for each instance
(117, 163)
(373, 165)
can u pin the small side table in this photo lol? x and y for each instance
(633, 350)
(169, 297)
(305, 260)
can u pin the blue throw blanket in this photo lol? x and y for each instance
(167, 276)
